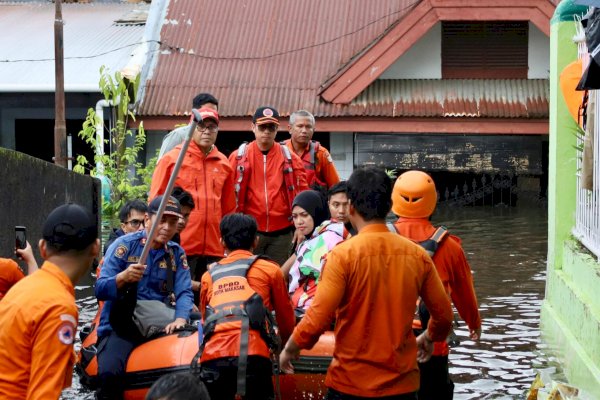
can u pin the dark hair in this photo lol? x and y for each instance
(203, 98)
(184, 198)
(340, 187)
(135, 204)
(238, 231)
(178, 386)
(370, 192)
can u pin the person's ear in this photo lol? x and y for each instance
(351, 209)
(95, 248)
(222, 242)
(255, 243)
(42, 247)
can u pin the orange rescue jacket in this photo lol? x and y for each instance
(209, 179)
(318, 164)
(453, 269)
(38, 322)
(263, 190)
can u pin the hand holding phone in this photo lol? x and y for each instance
(20, 237)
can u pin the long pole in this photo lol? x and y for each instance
(196, 119)
(60, 130)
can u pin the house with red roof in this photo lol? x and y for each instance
(458, 88)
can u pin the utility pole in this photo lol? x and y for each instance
(60, 129)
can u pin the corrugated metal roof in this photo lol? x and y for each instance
(91, 39)
(278, 52)
(252, 52)
(492, 98)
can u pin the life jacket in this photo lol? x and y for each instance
(310, 164)
(430, 245)
(243, 166)
(235, 305)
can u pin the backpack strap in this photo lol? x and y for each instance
(433, 243)
(391, 227)
(313, 149)
(240, 169)
(170, 259)
(288, 174)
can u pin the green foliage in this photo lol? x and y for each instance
(392, 173)
(129, 178)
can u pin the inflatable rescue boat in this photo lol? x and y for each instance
(174, 353)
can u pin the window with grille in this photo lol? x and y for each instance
(485, 49)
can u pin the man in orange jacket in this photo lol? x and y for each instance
(206, 174)
(38, 316)
(317, 161)
(414, 200)
(370, 283)
(224, 352)
(268, 178)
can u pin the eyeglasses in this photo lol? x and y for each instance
(135, 223)
(268, 127)
(211, 128)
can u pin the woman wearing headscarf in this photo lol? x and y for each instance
(311, 217)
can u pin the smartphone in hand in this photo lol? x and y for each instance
(20, 237)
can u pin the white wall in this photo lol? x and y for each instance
(422, 61)
(539, 54)
(342, 152)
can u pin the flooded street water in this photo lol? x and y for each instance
(506, 248)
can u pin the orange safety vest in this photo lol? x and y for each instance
(243, 165)
(235, 305)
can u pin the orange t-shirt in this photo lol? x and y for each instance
(10, 273)
(266, 278)
(371, 282)
(38, 321)
(453, 269)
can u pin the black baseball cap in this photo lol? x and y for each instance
(172, 208)
(265, 115)
(70, 227)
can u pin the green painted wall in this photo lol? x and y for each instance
(561, 169)
(570, 315)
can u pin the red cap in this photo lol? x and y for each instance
(209, 113)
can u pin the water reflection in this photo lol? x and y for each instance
(506, 248)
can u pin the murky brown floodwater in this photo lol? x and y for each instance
(506, 248)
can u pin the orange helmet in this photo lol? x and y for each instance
(414, 195)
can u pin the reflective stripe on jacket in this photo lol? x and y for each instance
(263, 193)
(266, 278)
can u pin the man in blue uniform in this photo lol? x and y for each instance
(122, 275)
